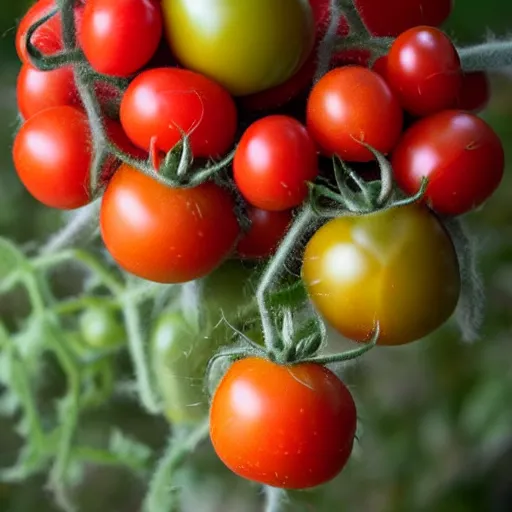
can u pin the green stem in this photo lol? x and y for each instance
(79, 229)
(67, 12)
(88, 260)
(274, 498)
(487, 56)
(354, 20)
(69, 421)
(160, 496)
(100, 458)
(273, 271)
(328, 42)
(136, 345)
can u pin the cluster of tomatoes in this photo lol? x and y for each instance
(210, 76)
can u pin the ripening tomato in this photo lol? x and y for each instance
(351, 104)
(475, 92)
(284, 426)
(37, 90)
(47, 38)
(273, 162)
(281, 94)
(460, 154)
(52, 157)
(397, 267)
(163, 234)
(120, 37)
(392, 17)
(266, 231)
(246, 46)
(164, 103)
(425, 71)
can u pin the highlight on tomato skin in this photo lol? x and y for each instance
(52, 157)
(274, 160)
(291, 427)
(398, 267)
(350, 103)
(224, 40)
(424, 69)
(164, 103)
(458, 152)
(164, 234)
(108, 30)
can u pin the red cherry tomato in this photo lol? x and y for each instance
(47, 38)
(52, 157)
(475, 92)
(425, 71)
(352, 104)
(120, 37)
(460, 154)
(165, 234)
(37, 90)
(284, 426)
(162, 103)
(273, 162)
(392, 17)
(266, 231)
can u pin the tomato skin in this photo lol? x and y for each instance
(397, 267)
(349, 104)
(163, 234)
(100, 328)
(266, 231)
(393, 17)
(52, 157)
(460, 154)
(37, 90)
(47, 38)
(475, 92)
(224, 40)
(108, 30)
(285, 426)
(273, 161)
(160, 101)
(424, 70)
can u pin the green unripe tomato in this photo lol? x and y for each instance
(180, 349)
(246, 45)
(99, 327)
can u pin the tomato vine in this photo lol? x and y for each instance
(288, 330)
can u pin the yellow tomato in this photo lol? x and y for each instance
(397, 267)
(245, 45)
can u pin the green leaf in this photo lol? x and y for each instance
(130, 452)
(9, 403)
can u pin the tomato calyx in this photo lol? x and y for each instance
(330, 201)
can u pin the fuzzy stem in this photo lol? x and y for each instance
(160, 496)
(487, 56)
(136, 345)
(274, 498)
(274, 270)
(355, 22)
(81, 226)
(325, 49)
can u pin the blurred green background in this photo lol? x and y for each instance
(436, 416)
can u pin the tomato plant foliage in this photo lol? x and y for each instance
(244, 175)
